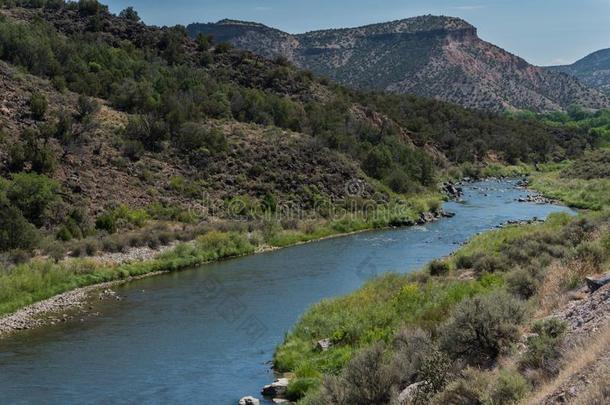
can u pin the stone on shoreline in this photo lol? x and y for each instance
(276, 389)
(249, 401)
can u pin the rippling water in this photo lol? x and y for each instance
(207, 335)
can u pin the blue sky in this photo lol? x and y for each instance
(541, 31)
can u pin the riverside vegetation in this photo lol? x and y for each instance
(457, 325)
(117, 135)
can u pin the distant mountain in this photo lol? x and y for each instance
(432, 56)
(594, 70)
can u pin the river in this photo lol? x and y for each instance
(207, 335)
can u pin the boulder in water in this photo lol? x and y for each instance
(249, 401)
(276, 389)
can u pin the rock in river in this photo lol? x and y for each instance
(277, 389)
(249, 401)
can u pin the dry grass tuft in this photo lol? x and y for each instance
(585, 359)
(560, 278)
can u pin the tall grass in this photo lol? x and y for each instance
(591, 194)
(41, 279)
(38, 280)
(419, 300)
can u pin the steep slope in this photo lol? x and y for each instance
(431, 56)
(593, 70)
(117, 125)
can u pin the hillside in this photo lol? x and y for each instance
(593, 70)
(109, 126)
(430, 56)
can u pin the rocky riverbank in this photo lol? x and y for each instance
(64, 307)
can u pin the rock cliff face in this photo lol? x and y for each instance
(593, 70)
(440, 57)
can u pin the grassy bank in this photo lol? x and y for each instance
(583, 183)
(494, 287)
(513, 262)
(37, 280)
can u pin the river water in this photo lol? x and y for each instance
(207, 335)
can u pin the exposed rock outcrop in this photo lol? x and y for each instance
(431, 56)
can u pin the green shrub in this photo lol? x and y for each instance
(86, 107)
(223, 47)
(483, 327)
(90, 7)
(151, 132)
(133, 150)
(488, 263)
(298, 387)
(472, 388)
(435, 372)
(130, 14)
(544, 347)
(33, 194)
(438, 268)
(412, 347)
(476, 387)
(522, 284)
(120, 218)
(591, 252)
(15, 231)
(365, 380)
(509, 388)
(195, 138)
(38, 105)
(464, 261)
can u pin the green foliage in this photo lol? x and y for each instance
(33, 147)
(365, 380)
(38, 105)
(148, 130)
(33, 195)
(593, 165)
(591, 194)
(544, 347)
(159, 81)
(38, 280)
(121, 217)
(15, 231)
(197, 139)
(509, 388)
(522, 283)
(130, 14)
(438, 268)
(86, 107)
(481, 387)
(483, 327)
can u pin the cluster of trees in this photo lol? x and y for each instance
(468, 135)
(596, 123)
(167, 91)
(170, 86)
(25, 203)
